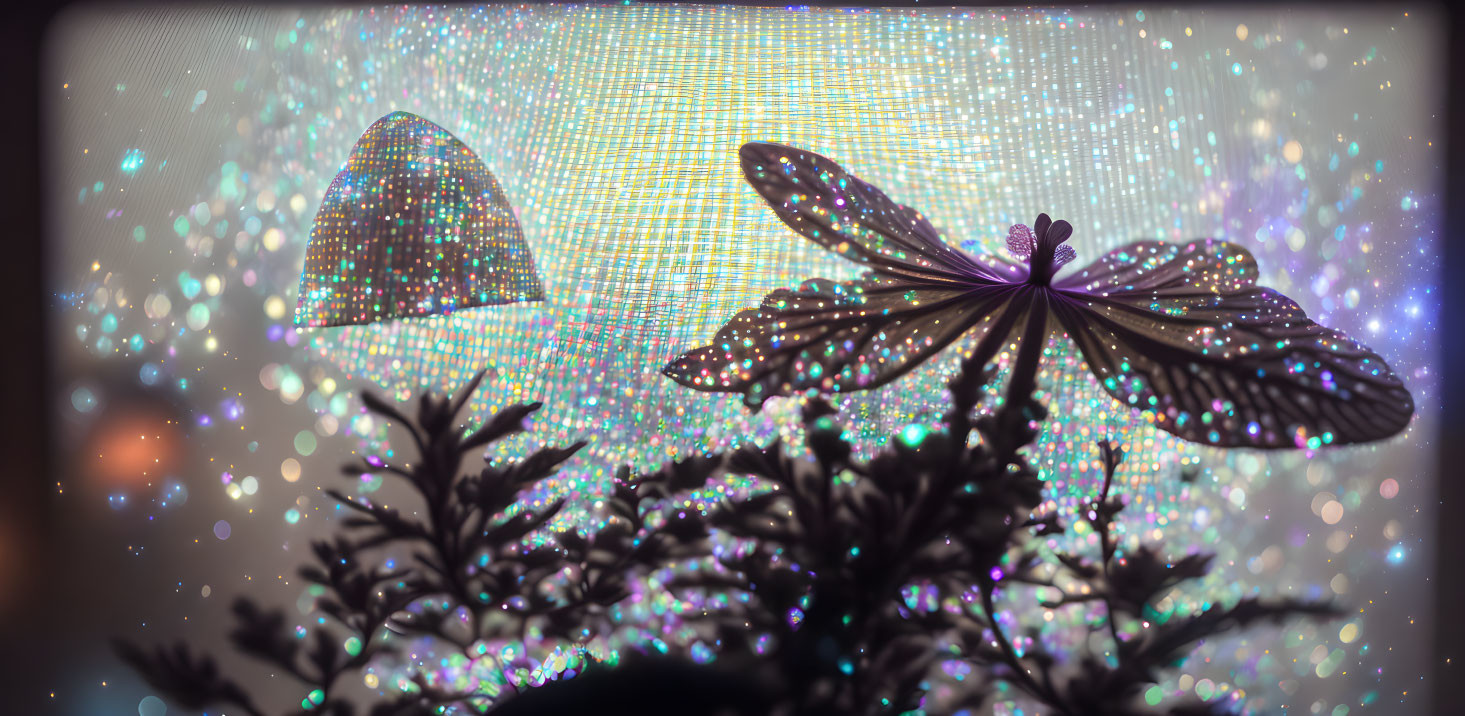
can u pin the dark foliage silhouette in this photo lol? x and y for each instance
(849, 568)
(471, 577)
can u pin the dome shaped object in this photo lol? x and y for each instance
(414, 225)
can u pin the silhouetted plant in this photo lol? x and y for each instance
(852, 566)
(472, 577)
(855, 579)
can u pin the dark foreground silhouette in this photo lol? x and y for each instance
(838, 586)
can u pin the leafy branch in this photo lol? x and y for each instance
(847, 582)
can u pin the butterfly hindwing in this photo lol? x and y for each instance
(833, 337)
(1238, 369)
(1161, 268)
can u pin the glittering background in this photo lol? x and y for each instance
(190, 150)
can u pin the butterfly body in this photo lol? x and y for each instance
(1178, 330)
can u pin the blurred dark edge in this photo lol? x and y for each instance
(27, 601)
(1450, 529)
(25, 541)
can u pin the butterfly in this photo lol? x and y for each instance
(1180, 330)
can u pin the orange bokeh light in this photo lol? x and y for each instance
(132, 447)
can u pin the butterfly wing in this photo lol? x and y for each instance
(835, 209)
(1183, 332)
(835, 336)
(1196, 268)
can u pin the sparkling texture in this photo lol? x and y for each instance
(414, 225)
(614, 131)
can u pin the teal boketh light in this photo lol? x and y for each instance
(413, 225)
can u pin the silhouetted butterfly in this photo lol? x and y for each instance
(1180, 330)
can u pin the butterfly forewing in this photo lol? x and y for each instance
(1240, 369)
(834, 337)
(835, 209)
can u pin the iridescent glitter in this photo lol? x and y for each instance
(414, 225)
(614, 133)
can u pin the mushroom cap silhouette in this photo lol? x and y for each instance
(413, 225)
